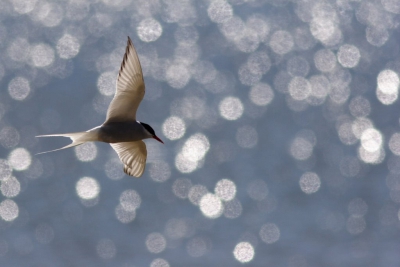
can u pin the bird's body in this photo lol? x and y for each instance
(117, 132)
(121, 129)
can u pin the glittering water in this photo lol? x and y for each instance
(280, 123)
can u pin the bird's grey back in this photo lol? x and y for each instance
(116, 132)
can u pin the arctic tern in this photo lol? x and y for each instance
(121, 129)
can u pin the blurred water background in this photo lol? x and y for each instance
(280, 120)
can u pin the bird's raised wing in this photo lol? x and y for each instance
(133, 155)
(130, 88)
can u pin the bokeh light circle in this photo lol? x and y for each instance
(173, 128)
(130, 200)
(211, 206)
(20, 159)
(348, 56)
(243, 252)
(10, 187)
(86, 152)
(19, 88)
(9, 210)
(261, 94)
(149, 30)
(231, 108)
(42, 55)
(310, 182)
(225, 189)
(269, 233)
(87, 188)
(156, 242)
(68, 46)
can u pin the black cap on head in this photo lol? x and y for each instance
(148, 128)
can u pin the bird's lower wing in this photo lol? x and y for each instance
(133, 155)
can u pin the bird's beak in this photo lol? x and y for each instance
(158, 139)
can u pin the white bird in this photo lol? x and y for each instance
(121, 129)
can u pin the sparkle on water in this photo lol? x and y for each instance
(211, 206)
(181, 187)
(197, 247)
(270, 233)
(5, 169)
(114, 169)
(130, 200)
(243, 252)
(219, 11)
(196, 193)
(106, 83)
(156, 243)
(174, 128)
(192, 152)
(68, 46)
(23, 7)
(376, 35)
(42, 55)
(310, 182)
(106, 249)
(325, 60)
(233, 209)
(86, 152)
(225, 189)
(87, 188)
(281, 42)
(231, 108)
(357, 207)
(184, 165)
(394, 144)
(159, 263)
(246, 137)
(301, 148)
(123, 215)
(177, 75)
(10, 187)
(388, 86)
(355, 225)
(19, 159)
(371, 140)
(19, 88)
(149, 30)
(298, 66)
(299, 88)
(9, 137)
(348, 56)
(360, 107)
(18, 50)
(261, 94)
(9, 210)
(160, 171)
(196, 147)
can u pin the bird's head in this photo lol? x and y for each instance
(151, 132)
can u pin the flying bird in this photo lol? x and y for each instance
(121, 129)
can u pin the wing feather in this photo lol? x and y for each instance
(133, 155)
(130, 88)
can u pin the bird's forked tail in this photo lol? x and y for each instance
(77, 139)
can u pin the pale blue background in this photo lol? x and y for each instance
(318, 229)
